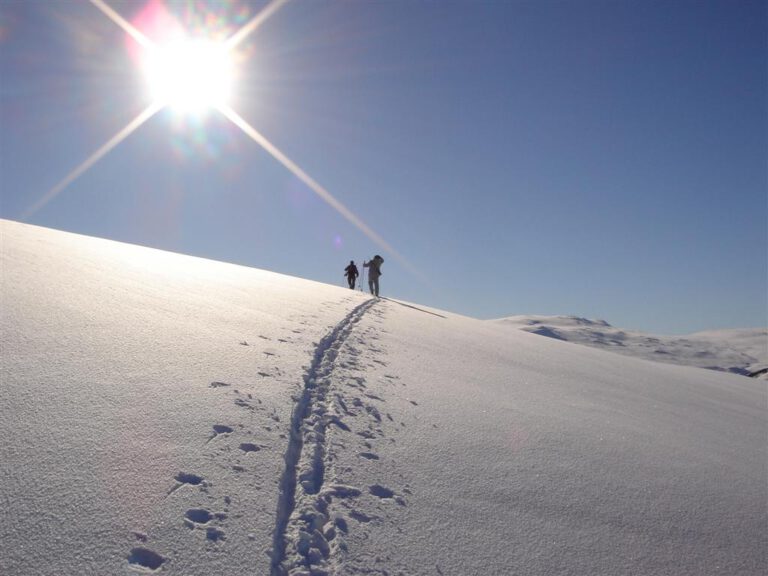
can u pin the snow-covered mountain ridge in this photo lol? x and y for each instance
(740, 351)
(169, 415)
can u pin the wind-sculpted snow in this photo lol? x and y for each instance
(170, 415)
(739, 351)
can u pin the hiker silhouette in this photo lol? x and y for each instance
(351, 273)
(374, 271)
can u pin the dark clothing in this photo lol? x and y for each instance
(351, 273)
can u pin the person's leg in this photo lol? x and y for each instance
(376, 285)
(370, 284)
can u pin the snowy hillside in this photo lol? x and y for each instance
(171, 415)
(740, 351)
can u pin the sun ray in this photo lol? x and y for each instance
(145, 115)
(324, 194)
(254, 23)
(230, 43)
(123, 23)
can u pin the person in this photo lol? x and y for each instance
(351, 273)
(374, 271)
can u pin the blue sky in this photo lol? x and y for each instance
(603, 159)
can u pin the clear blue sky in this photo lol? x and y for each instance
(604, 159)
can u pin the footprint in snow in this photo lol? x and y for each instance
(145, 558)
(220, 429)
(341, 524)
(217, 384)
(360, 517)
(373, 412)
(385, 494)
(186, 478)
(183, 478)
(197, 516)
(381, 491)
(341, 491)
(243, 404)
(338, 422)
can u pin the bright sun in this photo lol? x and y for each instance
(189, 76)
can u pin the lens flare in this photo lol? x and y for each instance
(189, 74)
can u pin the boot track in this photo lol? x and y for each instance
(300, 541)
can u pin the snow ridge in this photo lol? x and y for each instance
(738, 351)
(299, 544)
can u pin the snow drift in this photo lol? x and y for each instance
(167, 414)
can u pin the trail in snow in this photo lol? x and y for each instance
(300, 537)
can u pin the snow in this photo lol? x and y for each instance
(740, 351)
(172, 415)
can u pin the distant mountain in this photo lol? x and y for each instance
(739, 351)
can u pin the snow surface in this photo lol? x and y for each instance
(167, 414)
(740, 351)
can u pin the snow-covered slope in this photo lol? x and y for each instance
(168, 414)
(740, 351)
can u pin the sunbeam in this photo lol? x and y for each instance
(123, 23)
(324, 194)
(254, 23)
(145, 115)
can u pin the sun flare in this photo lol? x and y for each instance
(190, 75)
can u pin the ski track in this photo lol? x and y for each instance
(300, 543)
